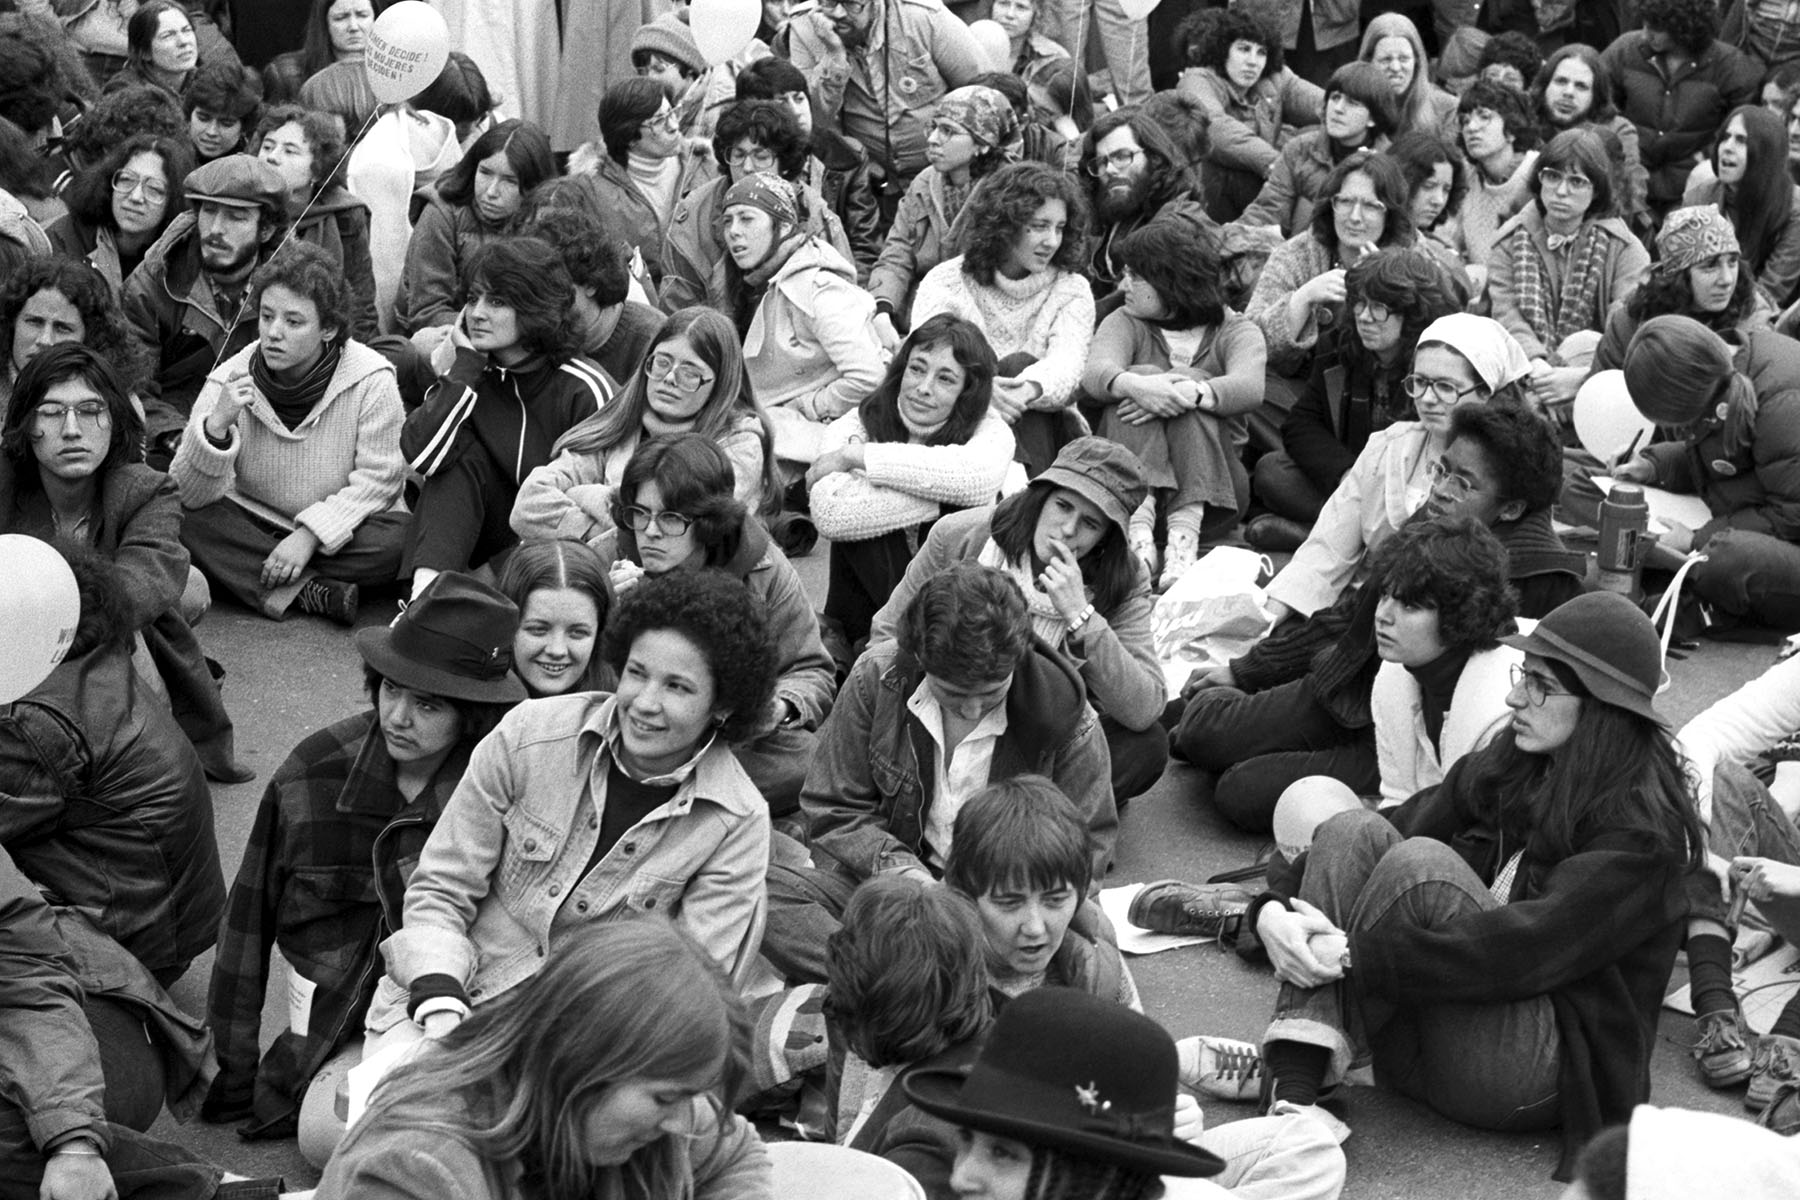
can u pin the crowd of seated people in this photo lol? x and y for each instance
(574, 354)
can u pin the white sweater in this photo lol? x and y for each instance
(903, 483)
(1409, 761)
(1049, 315)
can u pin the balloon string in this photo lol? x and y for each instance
(293, 226)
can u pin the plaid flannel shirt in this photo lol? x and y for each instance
(322, 880)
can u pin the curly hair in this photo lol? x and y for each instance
(907, 971)
(227, 90)
(90, 195)
(1390, 188)
(1512, 49)
(1208, 35)
(717, 613)
(1022, 832)
(1522, 448)
(880, 409)
(103, 322)
(623, 110)
(527, 152)
(764, 123)
(1583, 149)
(1454, 565)
(60, 364)
(596, 260)
(695, 479)
(1602, 109)
(1664, 292)
(968, 624)
(1406, 281)
(1189, 128)
(1181, 261)
(122, 114)
(323, 137)
(528, 276)
(1419, 151)
(1000, 210)
(1168, 167)
(312, 274)
(1511, 105)
(1691, 24)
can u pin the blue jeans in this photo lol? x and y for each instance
(1493, 1066)
(1751, 575)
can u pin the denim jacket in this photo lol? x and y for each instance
(504, 867)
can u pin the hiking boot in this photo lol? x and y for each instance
(1721, 1051)
(1783, 1113)
(1190, 909)
(329, 598)
(1182, 552)
(1221, 1068)
(1777, 1062)
(1272, 533)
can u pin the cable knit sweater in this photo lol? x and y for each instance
(903, 484)
(1049, 315)
(340, 466)
(1487, 206)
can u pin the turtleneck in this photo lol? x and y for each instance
(1437, 687)
(657, 179)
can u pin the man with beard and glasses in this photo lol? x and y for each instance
(185, 304)
(1134, 174)
(878, 68)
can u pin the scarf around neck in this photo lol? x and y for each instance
(1048, 623)
(292, 401)
(1554, 313)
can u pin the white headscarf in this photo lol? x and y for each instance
(1490, 349)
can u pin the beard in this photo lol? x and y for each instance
(223, 260)
(1117, 204)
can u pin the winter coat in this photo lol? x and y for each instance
(924, 233)
(611, 198)
(1248, 129)
(1331, 422)
(811, 345)
(509, 860)
(93, 244)
(1297, 261)
(1114, 655)
(1291, 194)
(871, 782)
(173, 317)
(1627, 265)
(1677, 116)
(108, 811)
(442, 241)
(338, 223)
(340, 466)
(694, 244)
(840, 172)
(512, 415)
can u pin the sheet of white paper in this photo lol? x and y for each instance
(797, 439)
(1116, 903)
(1667, 506)
(1763, 988)
(300, 991)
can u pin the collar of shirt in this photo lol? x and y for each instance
(615, 745)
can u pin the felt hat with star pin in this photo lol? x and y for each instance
(454, 640)
(1067, 1070)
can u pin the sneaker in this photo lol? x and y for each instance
(1143, 548)
(1783, 1113)
(330, 599)
(1201, 910)
(1182, 552)
(1221, 1068)
(1287, 1108)
(1722, 1053)
(1777, 1062)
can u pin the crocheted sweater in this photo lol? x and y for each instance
(1049, 315)
(904, 484)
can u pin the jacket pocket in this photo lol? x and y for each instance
(530, 853)
(650, 893)
(916, 80)
(327, 914)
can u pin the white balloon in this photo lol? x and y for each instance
(408, 48)
(39, 608)
(996, 47)
(1305, 805)
(722, 28)
(1137, 10)
(1606, 420)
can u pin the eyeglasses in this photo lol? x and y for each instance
(758, 159)
(1443, 390)
(1448, 484)
(662, 366)
(124, 183)
(845, 6)
(945, 129)
(668, 522)
(1345, 206)
(668, 121)
(1374, 310)
(1537, 688)
(1551, 179)
(1117, 161)
(90, 414)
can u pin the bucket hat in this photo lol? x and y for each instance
(454, 640)
(1610, 645)
(1065, 1069)
(1100, 470)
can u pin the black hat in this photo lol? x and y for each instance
(454, 640)
(1069, 1071)
(1608, 643)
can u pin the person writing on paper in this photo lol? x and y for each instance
(1734, 409)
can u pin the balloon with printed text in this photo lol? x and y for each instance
(722, 28)
(408, 48)
(39, 608)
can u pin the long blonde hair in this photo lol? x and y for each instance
(1415, 104)
(515, 1081)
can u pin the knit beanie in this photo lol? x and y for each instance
(1692, 235)
(772, 194)
(1672, 1154)
(1675, 368)
(670, 37)
(984, 112)
(1485, 343)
